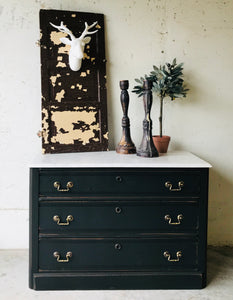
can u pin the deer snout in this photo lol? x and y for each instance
(77, 49)
(79, 55)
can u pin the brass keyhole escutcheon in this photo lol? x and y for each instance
(118, 246)
(118, 179)
(118, 210)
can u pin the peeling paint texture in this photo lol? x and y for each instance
(76, 125)
(60, 95)
(55, 37)
(74, 115)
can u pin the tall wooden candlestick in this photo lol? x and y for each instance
(147, 147)
(125, 146)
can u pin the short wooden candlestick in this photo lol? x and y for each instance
(125, 146)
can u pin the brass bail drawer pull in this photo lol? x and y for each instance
(169, 219)
(168, 256)
(57, 219)
(168, 185)
(57, 256)
(57, 185)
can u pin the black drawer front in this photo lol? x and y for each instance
(117, 254)
(92, 182)
(92, 218)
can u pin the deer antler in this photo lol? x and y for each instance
(87, 27)
(77, 45)
(64, 29)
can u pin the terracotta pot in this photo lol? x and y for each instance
(161, 143)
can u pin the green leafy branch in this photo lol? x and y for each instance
(167, 82)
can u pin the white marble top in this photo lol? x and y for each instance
(110, 159)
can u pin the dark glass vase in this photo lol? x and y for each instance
(147, 147)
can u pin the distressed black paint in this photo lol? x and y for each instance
(139, 227)
(64, 90)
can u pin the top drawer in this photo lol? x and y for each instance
(94, 182)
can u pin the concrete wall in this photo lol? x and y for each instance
(139, 33)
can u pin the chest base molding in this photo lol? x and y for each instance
(118, 281)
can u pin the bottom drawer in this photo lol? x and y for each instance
(121, 254)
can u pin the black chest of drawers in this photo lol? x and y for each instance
(118, 228)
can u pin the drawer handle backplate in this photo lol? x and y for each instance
(57, 256)
(179, 218)
(57, 219)
(57, 185)
(168, 256)
(168, 185)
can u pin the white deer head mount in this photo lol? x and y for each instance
(76, 53)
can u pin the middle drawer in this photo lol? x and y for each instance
(102, 217)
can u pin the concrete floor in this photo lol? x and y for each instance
(14, 282)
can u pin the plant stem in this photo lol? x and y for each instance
(161, 117)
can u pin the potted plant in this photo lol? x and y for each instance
(167, 82)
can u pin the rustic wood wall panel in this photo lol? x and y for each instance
(74, 103)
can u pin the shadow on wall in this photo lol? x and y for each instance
(110, 87)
